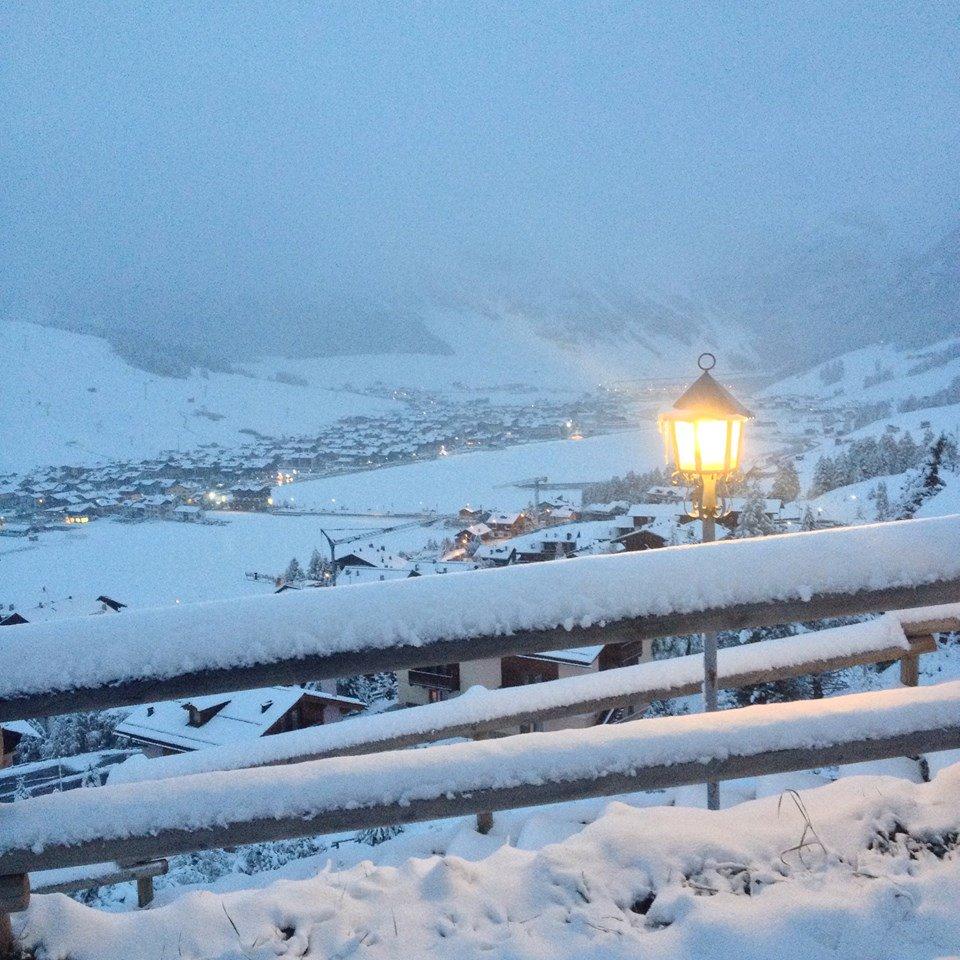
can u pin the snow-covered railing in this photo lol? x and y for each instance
(147, 655)
(71, 879)
(482, 711)
(161, 818)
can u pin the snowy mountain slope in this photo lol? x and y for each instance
(923, 301)
(875, 373)
(68, 398)
(502, 343)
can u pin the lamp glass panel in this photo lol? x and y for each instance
(712, 442)
(736, 438)
(685, 445)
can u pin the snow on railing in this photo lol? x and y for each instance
(204, 810)
(483, 711)
(96, 662)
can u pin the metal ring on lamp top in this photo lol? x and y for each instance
(706, 361)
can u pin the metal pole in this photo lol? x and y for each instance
(708, 509)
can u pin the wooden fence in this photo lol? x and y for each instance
(149, 821)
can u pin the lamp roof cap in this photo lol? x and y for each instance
(706, 397)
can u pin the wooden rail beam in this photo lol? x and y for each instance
(478, 729)
(167, 843)
(296, 670)
(140, 872)
(544, 769)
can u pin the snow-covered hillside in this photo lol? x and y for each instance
(878, 372)
(504, 343)
(67, 398)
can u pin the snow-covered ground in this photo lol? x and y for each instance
(859, 868)
(158, 563)
(482, 479)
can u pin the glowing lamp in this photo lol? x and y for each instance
(703, 432)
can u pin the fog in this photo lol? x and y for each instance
(308, 174)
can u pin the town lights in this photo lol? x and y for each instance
(703, 435)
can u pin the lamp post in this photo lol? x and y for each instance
(703, 433)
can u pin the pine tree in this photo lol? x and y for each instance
(882, 502)
(909, 453)
(753, 520)
(294, 572)
(786, 484)
(375, 835)
(316, 566)
(927, 483)
(824, 477)
(808, 521)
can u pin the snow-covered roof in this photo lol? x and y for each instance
(66, 608)
(656, 510)
(358, 574)
(246, 715)
(580, 655)
(504, 519)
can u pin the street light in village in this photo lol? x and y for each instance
(703, 433)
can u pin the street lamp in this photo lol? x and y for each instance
(703, 434)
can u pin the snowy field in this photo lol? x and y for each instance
(164, 562)
(481, 479)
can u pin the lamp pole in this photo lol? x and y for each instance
(703, 433)
(708, 512)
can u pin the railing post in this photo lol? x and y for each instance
(484, 817)
(14, 897)
(144, 891)
(910, 670)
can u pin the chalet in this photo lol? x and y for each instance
(475, 533)
(8, 529)
(470, 515)
(188, 513)
(81, 514)
(178, 726)
(251, 497)
(506, 524)
(12, 732)
(443, 681)
(664, 494)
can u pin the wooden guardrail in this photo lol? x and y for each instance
(109, 874)
(202, 811)
(150, 655)
(490, 712)
(135, 657)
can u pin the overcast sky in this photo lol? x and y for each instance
(326, 147)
